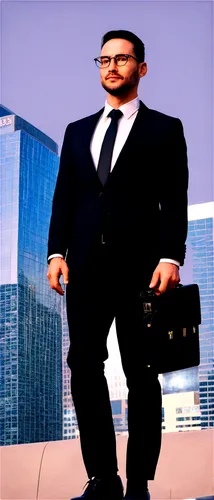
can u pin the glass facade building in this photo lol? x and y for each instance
(200, 269)
(180, 381)
(70, 426)
(30, 323)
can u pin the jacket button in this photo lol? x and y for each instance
(101, 194)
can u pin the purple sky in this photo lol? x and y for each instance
(49, 78)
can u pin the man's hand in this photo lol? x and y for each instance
(56, 268)
(165, 277)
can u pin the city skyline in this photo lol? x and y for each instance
(199, 267)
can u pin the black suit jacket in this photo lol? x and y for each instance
(143, 205)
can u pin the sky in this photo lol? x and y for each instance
(49, 77)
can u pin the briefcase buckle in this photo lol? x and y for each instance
(147, 307)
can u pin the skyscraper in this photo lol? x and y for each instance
(200, 269)
(31, 327)
(70, 427)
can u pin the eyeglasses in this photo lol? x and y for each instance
(119, 59)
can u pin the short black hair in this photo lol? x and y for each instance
(139, 47)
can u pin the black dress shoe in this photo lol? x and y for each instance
(144, 496)
(100, 489)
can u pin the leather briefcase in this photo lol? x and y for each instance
(170, 325)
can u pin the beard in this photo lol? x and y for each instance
(124, 88)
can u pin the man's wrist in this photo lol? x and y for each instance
(52, 256)
(170, 261)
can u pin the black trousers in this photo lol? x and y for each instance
(101, 294)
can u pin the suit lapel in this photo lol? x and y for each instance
(137, 135)
(86, 136)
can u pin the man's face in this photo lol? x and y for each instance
(119, 80)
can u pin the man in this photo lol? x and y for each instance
(118, 225)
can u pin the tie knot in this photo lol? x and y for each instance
(115, 114)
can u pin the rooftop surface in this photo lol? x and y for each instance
(55, 470)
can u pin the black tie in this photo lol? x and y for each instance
(104, 164)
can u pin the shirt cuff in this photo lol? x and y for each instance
(171, 261)
(55, 255)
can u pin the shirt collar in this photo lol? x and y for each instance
(128, 109)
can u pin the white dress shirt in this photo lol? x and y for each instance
(125, 123)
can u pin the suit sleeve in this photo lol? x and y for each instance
(173, 196)
(61, 205)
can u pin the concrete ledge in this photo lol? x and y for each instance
(55, 471)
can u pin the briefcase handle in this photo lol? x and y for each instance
(150, 293)
(172, 305)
